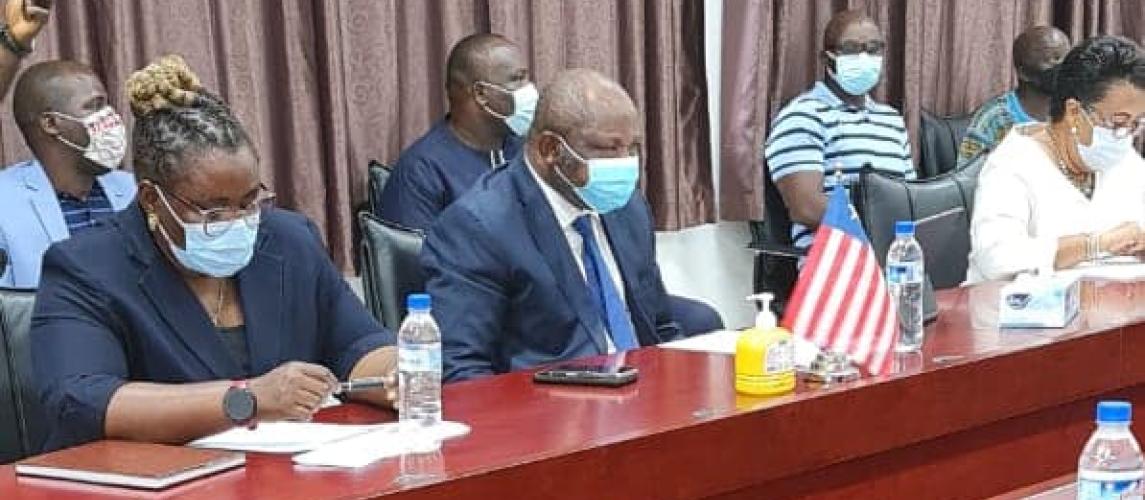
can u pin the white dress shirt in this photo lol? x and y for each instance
(566, 214)
(1024, 203)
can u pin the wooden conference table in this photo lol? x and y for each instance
(980, 412)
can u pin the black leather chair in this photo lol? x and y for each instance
(390, 267)
(776, 257)
(21, 427)
(939, 138)
(379, 174)
(943, 207)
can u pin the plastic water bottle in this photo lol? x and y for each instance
(1110, 465)
(905, 276)
(419, 365)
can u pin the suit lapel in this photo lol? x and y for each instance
(44, 202)
(117, 192)
(262, 288)
(554, 247)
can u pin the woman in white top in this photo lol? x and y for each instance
(1058, 194)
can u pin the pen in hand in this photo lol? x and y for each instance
(361, 384)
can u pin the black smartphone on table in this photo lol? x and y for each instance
(587, 374)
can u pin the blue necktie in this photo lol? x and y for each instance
(602, 290)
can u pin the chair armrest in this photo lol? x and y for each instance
(777, 249)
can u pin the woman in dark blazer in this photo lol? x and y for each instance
(200, 307)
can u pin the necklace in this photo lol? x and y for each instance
(219, 302)
(1083, 181)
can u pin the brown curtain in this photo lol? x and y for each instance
(945, 56)
(325, 86)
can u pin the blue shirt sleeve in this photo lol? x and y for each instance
(350, 331)
(414, 195)
(466, 279)
(796, 142)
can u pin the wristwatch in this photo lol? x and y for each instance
(240, 405)
(10, 43)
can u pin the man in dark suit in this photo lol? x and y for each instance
(554, 258)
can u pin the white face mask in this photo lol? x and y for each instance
(524, 106)
(1106, 149)
(106, 137)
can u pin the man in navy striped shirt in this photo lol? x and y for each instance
(836, 126)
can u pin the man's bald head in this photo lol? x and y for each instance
(1039, 49)
(474, 59)
(52, 86)
(582, 115)
(841, 23)
(581, 99)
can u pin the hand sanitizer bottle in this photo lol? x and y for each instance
(765, 355)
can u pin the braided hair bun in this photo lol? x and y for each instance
(164, 84)
(177, 120)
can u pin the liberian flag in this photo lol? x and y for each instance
(841, 302)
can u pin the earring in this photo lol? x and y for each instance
(1073, 130)
(152, 221)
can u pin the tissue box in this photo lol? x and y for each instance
(1039, 302)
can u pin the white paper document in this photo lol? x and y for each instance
(281, 437)
(1112, 268)
(384, 441)
(724, 342)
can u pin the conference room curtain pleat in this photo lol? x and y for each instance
(944, 56)
(324, 87)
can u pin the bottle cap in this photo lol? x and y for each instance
(1114, 412)
(904, 228)
(764, 319)
(418, 302)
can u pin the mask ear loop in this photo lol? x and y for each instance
(153, 220)
(561, 173)
(61, 138)
(485, 106)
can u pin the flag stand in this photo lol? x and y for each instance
(831, 367)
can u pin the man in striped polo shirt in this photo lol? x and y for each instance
(836, 126)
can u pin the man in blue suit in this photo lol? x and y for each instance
(78, 141)
(554, 258)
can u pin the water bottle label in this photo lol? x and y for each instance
(419, 360)
(1109, 485)
(903, 273)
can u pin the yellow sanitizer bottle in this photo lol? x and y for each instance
(765, 355)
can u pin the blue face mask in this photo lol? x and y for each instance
(524, 106)
(222, 255)
(857, 74)
(611, 181)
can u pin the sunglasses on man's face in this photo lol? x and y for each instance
(872, 47)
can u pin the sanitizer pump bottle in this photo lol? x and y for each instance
(765, 355)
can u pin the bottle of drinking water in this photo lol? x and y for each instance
(905, 276)
(419, 365)
(1110, 465)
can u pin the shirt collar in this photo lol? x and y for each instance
(565, 212)
(96, 191)
(1017, 112)
(821, 92)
